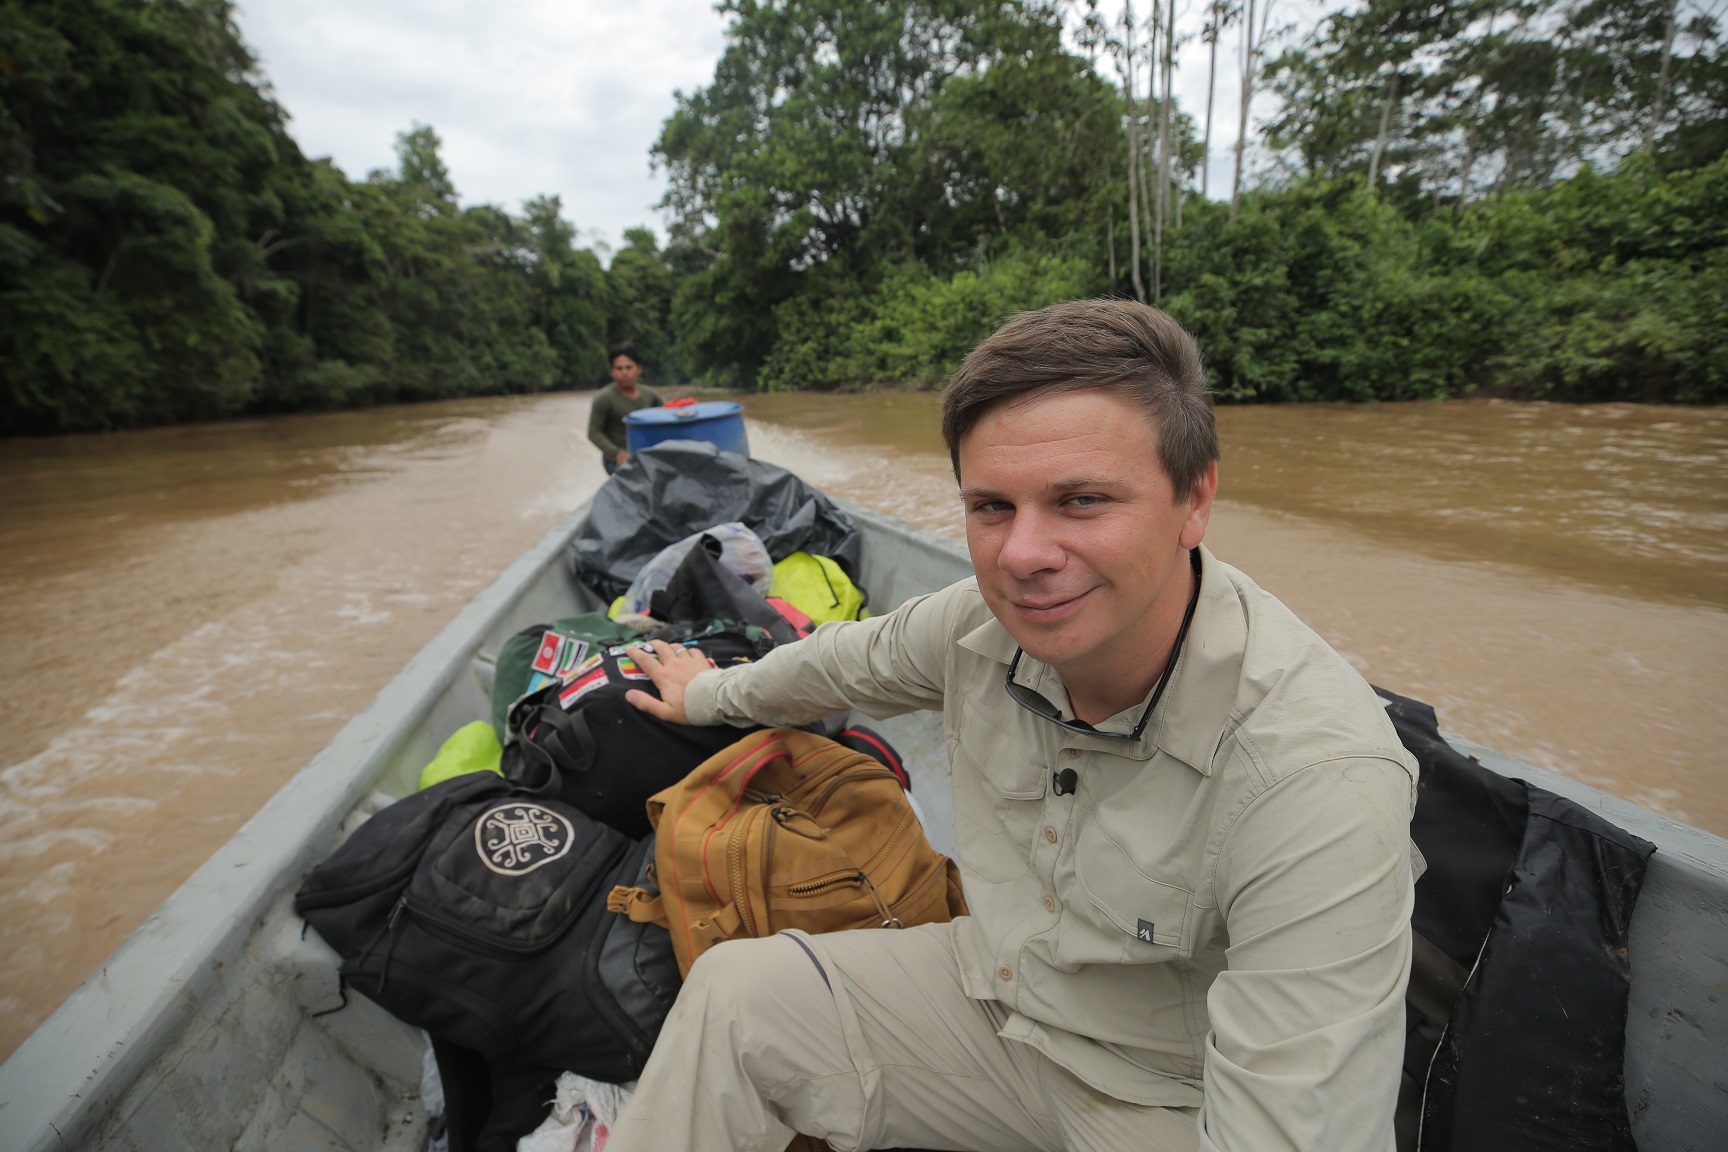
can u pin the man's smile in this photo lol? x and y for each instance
(1050, 609)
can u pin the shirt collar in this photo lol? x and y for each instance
(1189, 722)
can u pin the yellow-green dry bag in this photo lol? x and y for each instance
(471, 748)
(817, 587)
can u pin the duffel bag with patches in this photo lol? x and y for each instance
(579, 740)
(542, 653)
(480, 915)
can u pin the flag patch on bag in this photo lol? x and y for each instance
(572, 655)
(630, 670)
(551, 648)
(1143, 931)
(581, 687)
(581, 669)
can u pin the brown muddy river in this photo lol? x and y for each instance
(187, 615)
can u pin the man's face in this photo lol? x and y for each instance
(625, 372)
(1076, 535)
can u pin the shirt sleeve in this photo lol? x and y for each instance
(598, 412)
(1307, 1040)
(883, 667)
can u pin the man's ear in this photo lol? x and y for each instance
(1199, 503)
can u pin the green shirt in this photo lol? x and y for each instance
(606, 417)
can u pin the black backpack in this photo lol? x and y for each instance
(479, 914)
(580, 741)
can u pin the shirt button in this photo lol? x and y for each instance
(1050, 834)
(1005, 972)
(1049, 903)
(1071, 753)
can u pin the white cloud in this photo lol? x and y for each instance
(530, 96)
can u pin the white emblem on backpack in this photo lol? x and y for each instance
(514, 839)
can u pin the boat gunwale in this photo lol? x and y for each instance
(70, 1073)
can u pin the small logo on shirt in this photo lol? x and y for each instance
(1144, 931)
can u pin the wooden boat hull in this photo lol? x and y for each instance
(200, 1031)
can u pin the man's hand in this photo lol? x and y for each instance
(671, 667)
(622, 459)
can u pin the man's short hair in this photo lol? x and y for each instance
(627, 348)
(1114, 345)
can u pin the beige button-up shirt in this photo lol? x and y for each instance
(1219, 914)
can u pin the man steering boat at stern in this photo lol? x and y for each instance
(1183, 819)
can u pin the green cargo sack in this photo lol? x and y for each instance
(535, 656)
(818, 587)
(471, 748)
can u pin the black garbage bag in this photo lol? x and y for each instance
(673, 489)
(1516, 1007)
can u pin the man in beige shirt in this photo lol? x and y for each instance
(1183, 820)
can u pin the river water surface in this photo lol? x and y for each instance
(188, 614)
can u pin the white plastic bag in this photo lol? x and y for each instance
(741, 550)
(582, 1116)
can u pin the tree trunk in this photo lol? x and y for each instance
(1247, 63)
(1172, 175)
(1158, 169)
(1211, 87)
(1165, 191)
(1110, 242)
(1661, 80)
(1149, 154)
(1469, 163)
(1380, 138)
(1133, 158)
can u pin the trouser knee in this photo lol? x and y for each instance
(757, 982)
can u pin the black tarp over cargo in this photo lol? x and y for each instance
(674, 489)
(1518, 989)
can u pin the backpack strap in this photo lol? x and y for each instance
(643, 908)
(638, 904)
(553, 742)
(723, 925)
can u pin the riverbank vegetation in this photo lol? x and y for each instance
(168, 253)
(1521, 197)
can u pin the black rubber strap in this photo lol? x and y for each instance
(810, 952)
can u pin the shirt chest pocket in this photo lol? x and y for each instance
(1118, 913)
(1003, 747)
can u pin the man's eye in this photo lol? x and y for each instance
(1084, 501)
(992, 506)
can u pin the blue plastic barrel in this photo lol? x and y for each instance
(720, 422)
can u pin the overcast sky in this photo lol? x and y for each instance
(549, 96)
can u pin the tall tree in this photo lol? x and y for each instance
(1253, 45)
(1219, 14)
(841, 141)
(1132, 124)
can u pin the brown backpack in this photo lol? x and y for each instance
(786, 829)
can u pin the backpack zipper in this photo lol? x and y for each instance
(818, 887)
(364, 888)
(858, 879)
(485, 942)
(833, 783)
(737, 868)
(390, 941)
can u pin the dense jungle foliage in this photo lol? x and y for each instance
(1527, 197)
(168, 253)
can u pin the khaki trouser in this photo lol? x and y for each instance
(867, 1040)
